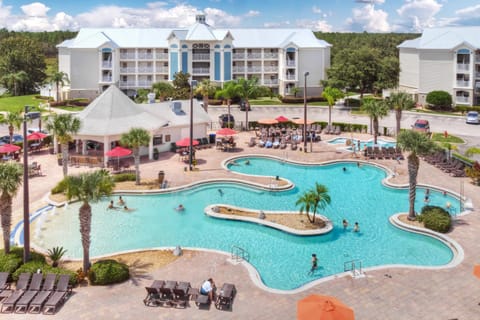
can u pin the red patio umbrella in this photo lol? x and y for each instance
(282, 119)
(7, 148)
(119, 152)
(226, 132)
(323, 307)
(36, 136)
(185, 142)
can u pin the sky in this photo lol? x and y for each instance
(320, 15)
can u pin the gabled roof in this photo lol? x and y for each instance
(200, 32)
(446, 38)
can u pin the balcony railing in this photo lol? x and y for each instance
(161, 70)
(238, 56)
(162, 56)
(128, 83)
(256, 69)
(290, 63)
(290, 77)
(463, 66)
(201, 70)
(127, 55)
(145, 83)
(238, 69)
(461, 99)
(462, 83)
(106, 79)
(145, 56)
(201, 56)
(270, 55)
(270, 69)
(145, 69)
(477, 74)
(270, 81)
(128, 70)
(256, 55)
(106, 64)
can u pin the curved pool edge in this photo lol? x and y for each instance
(209, 210)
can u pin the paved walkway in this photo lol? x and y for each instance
(408, 294)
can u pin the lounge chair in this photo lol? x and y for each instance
(22, 305)
(252, 142)
(153, 297)
(226, 296)
(293, 146)
(4, 286)
(180, 294)
(59, 296)
(8, 304)
(276, 143)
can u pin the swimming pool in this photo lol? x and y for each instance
(282, 260)
(363, 143)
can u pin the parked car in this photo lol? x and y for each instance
(472, 117)
(224, 119)
(16, 138)
(243, 106)
(421, 125)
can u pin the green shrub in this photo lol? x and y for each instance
(109, 271)
(124, 177)
(33, 266)
(439, 100)
(61, 187)
(9, 262)
(435, 218)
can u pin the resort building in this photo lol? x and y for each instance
(445, 59)
(137, 58)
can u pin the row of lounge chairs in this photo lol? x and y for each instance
(383, 153)
(178, 294)
(33, 294)
(452, 166)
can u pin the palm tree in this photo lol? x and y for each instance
(417, 144)
(246, 88)
(11, 175)
(64, 126)
(400, 101)
(228, 92)
(88, 187)
(14, 121)
(13, 79)
(134, 139)
(59, 78)
(376, 109)
(163, 90)
(332, 95)
(206, 88)
(314, 199)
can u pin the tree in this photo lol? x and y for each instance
(246, 89)
(400, 101)
(163, 90)
(64, 126)
(314, 199)
(228, 92)
(387, 73)
(206, 88)
(20, 53)
(88, 187)
(11, 177)
(14, 121)
(13, 80)
(332, 95)
(417, 144)
(181, 83)
(376, 109)
(134, 139)
(439, 100)
(59, 78)
(295, 91)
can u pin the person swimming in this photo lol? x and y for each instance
(356, 227)
(247, 162)
(111, 205)
(120, 201)
(345, 223)
(344, 169)
(180, 207)
(125, 208)
(220, 191)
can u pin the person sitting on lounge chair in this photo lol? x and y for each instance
(208, 288)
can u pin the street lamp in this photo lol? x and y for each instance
(26, 209)
(190, 149)
(305, 111)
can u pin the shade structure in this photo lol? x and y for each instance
(36, 136)
(267, 121)
(320, 307)
(119, 152)
(282, 119)
(185, 142)
(300, 121)
(476, 270)
(7, 148)
(226, 132)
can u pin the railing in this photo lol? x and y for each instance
(145, 83)
(239, 254)
(461, 99)
(239, 56)
(128, 70)
(201, 70)
(290, 77)
(355, 266)
(107, 64)
(254, 56)
(477, 74)
(477, 58)
(161, 56)
(201, 56)
(269, 55)
(461, 83)
(145, 69)
(106, 79)
(127, 55)
(270, 69)
(142, 55)
(130, 83)
(254, 69)
(463, 66)
(270, 81)
(290, 63)
(161, 70)
(238, 69)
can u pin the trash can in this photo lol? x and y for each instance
(212, 138)
(161, 177)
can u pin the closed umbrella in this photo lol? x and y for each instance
(7, 148)
(185, 142)
(226, 132)
(320, 307)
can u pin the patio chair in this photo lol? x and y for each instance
(22, 305)
(226, 296)
(276, 143)
(293, 146)
(153, 297)
(252, 142)
(4, 286)
(63, 284)
(8, 304)
(180, 295)
(23, 281)
(49, 282)
(59, 296)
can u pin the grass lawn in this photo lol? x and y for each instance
(438, 112)
(71, 109)
(439, 137)
(12, 104)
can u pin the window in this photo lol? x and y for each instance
(168, 138)
(157, 140)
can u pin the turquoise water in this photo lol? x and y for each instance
(282, 260)
(363, 143)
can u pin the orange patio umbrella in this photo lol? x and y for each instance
(300, 121)
(268, 121)
(476, 270)
(323, 308)
(226, 132)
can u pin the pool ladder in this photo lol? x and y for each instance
(354, 266)
(239, 254)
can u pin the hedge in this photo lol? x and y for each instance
(290, 99)
(108, 271)
(465, 109)
(124, 177)
(435, 218)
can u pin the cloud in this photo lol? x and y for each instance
(419, 14)
(367, 18)
(370, 1)
(314, 25)
(35, 9)
(252, 13)
(5, 14)
(316, 10)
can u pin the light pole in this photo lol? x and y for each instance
(305, 111)
(26, 209)
(190, 149)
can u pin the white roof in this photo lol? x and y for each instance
(445, 38)
(158, 38)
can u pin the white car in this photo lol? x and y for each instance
(472, 117)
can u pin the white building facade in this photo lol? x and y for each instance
(137, 58)
(445, 59)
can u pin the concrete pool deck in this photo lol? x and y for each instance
(392, 293)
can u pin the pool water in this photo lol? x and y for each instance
(363, 143)
(282, 260)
